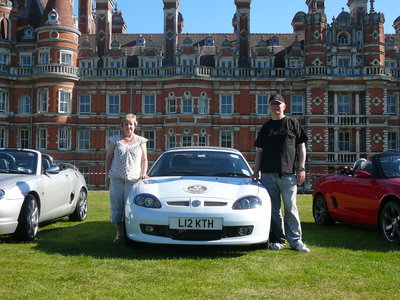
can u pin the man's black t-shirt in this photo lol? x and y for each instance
(279, 140)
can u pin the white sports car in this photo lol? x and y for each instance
(34, 191)
(199, 196)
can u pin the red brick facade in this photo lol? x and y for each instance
(65, 82)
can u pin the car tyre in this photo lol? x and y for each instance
(390, 222)
(28, 220)
(321, 212)
(81, 208)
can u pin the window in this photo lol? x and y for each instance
(391, 104)
(110, 133)
(149, 104)
(64, 138)
(187, 106)
(343, 62)
(187, 62)
(171, 141)
(186, 141)
(343, 39)
(295, 63)
(226, 64)
(262, 105)
(203, 106)
(150, 64)
(25, 105)
(202, 141)
(296, 105)
(24, 138)
(43, 100)
(226, 139)
(85, 64)
(64, 102)
(262, 63)
(113, 104)
(3, 59)
(3, 101)
(42, 138)
(113, 63)
(344, 141)
(84, 139)
(171, 106)
(226, 106)
(150, 135)
(84, 104)
(274, 41)
(66, 58)
(43, 58)
(85, 170)
(344, 104)
(26, 60)
(3, 138)
(393, 141)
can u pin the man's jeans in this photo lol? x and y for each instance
(288, 228)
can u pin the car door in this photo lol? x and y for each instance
(356, 200)
(57, 193)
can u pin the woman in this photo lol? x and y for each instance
(126, 163)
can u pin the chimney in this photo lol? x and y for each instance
(170, 30)
(243, 30)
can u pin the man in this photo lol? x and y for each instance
(279, 143)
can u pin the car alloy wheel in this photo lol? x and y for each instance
(320, 212)
(28, 221)
(390, 222)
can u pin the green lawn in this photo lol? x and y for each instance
(72, 260)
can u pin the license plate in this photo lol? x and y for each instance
(196, 223)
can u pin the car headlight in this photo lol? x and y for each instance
(2, 194)
(147, 200)
(247, 203)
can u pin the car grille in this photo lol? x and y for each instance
(195, 235)
(206, 203)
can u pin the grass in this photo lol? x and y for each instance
(76, 260)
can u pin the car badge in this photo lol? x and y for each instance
(196, 203)
(196, 189)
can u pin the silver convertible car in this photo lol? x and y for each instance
(33, 190)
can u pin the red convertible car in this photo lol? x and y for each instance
(367, 193)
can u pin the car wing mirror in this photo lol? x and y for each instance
(53, 170)
(363, 174)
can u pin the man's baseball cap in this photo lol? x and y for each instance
(277, 97)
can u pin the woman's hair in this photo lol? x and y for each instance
(129, 118)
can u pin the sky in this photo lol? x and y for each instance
(215, 16)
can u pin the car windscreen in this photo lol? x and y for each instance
(200, 163)
(390, 165)
(18, 162)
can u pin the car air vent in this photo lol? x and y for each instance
(178, 203)
(214, 203)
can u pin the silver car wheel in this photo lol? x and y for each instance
(32, 219)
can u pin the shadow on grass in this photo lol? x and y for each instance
(94, 239)
(346, 236)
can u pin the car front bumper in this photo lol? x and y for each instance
(257, 221)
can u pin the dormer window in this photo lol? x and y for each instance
(343, 39)
(274, 41)
(140, 41)
(53, 17)
(29, 33)
(209, 41)
(226, 63)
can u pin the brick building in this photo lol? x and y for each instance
(65, 81)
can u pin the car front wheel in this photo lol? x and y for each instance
(81, 208)
(390, 222)
(28, 221)
(321, 212)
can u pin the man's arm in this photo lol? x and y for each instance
(257, 163)
(301, 173)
